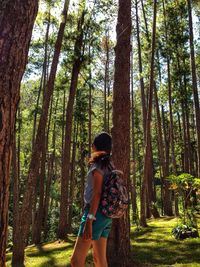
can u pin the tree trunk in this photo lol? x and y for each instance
(14, 22)
(15, 174)
(108, 80)
(49, 180)
(144, 110)
(83, 174)
(38, 213)
(72, 177)
(42, 81)
(62, 228)
(133, 161)
(106, 84)
(145, 21)
(90, 106)
(147, 156)
(194, 85)
(188, 134)
(25, 214)
(119, 241)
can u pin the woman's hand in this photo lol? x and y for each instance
(87, 233)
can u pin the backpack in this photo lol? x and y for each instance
(114, 197)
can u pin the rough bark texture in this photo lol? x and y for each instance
(25, 214)
(48, 182)
(133, 168)
(72, 178)
(167, 203)
(16, 23)
(144, 109)
(147, 156)
(194, 85)
(62, 228)
(90, 105)
(106, 84)
(119, 246)
(151, 195)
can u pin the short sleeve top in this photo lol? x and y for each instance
(89, 181)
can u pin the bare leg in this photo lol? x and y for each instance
(99, 252)
(81, 249)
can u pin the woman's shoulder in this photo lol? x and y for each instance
(96, 166)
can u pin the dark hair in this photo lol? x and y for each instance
(103, 142)
(103, 145)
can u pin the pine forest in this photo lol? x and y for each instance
(71, 69)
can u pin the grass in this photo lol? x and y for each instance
(154, 246)
(51, 254)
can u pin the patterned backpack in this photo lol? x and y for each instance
(114, 198)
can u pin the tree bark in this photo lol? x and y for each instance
(119, 241)
(133, 161)
(90, 106)
(50, 174)
(16, 26)
(163, 156)
(25, 214)
(62, 228)
(72, 177)
(147, 156)
(15, 174)
(144, 109)
(106, 84)
(194, 85)
(151, 196)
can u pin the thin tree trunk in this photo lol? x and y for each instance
(145, 21)
(38, 213)
(166, 194)
(151, 195)
(168, 210)
(133, 184)
(106, 85)
(166, 198)
(15, 173)
(72, 177)
(147, 157)
(63, 122)
(194, 85)
(187, 113)
(108, 80)
(83, 174)
(144, 110)
(49, 180)
(90, 106)
(62, 228)
(105, 93)
(119, 240)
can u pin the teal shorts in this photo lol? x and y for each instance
(100, 227)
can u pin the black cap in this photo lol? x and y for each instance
(103, 142)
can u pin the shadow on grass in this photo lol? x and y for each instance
(150, 245)
(48, 252)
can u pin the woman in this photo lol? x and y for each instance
(95, 227)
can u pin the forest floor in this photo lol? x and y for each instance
(151, 246)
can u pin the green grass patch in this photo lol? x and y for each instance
(51, 254)
(154, 246)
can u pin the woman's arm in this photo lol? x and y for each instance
(97, 189)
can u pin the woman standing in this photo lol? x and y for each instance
(95, 227)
